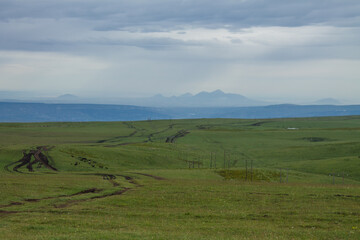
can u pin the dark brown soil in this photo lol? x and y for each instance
(32, 158)
(87, 161)
(11, 204)
(3, 212)
(348, 196)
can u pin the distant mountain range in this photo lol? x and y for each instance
(41, 112)
(203, 99)
(327, 101)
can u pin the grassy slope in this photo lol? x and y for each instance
(191, 203)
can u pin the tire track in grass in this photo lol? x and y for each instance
(70, 202)
(179, 134)
(86, 191)
(130, 179)
(4, 213)
(149, 175)
(149, 137)
(41, 158)
(108, 177)
(116, 138)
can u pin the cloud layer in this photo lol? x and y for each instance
(165, 46)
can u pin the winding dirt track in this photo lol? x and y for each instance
(109, 177)
(40, 158)
(91, 190)
(67, 204)
(143, 133)
(179, 134)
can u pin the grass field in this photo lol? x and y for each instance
(182, 179)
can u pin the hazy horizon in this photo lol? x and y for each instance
(72, 98)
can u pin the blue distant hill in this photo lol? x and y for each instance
(40, 112)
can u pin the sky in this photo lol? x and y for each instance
(279, 49)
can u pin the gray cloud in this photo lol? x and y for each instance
(169, 14)
(70, 25)
(177, 45)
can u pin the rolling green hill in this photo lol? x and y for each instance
(181, 179)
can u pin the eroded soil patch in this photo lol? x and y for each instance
(33, 158)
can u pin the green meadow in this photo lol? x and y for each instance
(182, 179)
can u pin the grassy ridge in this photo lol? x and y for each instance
(297, 144)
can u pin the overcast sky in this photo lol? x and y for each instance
(278, 49)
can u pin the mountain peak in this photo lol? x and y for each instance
(67, 97)
(327, 101)
(158, 96)
(218, 92)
